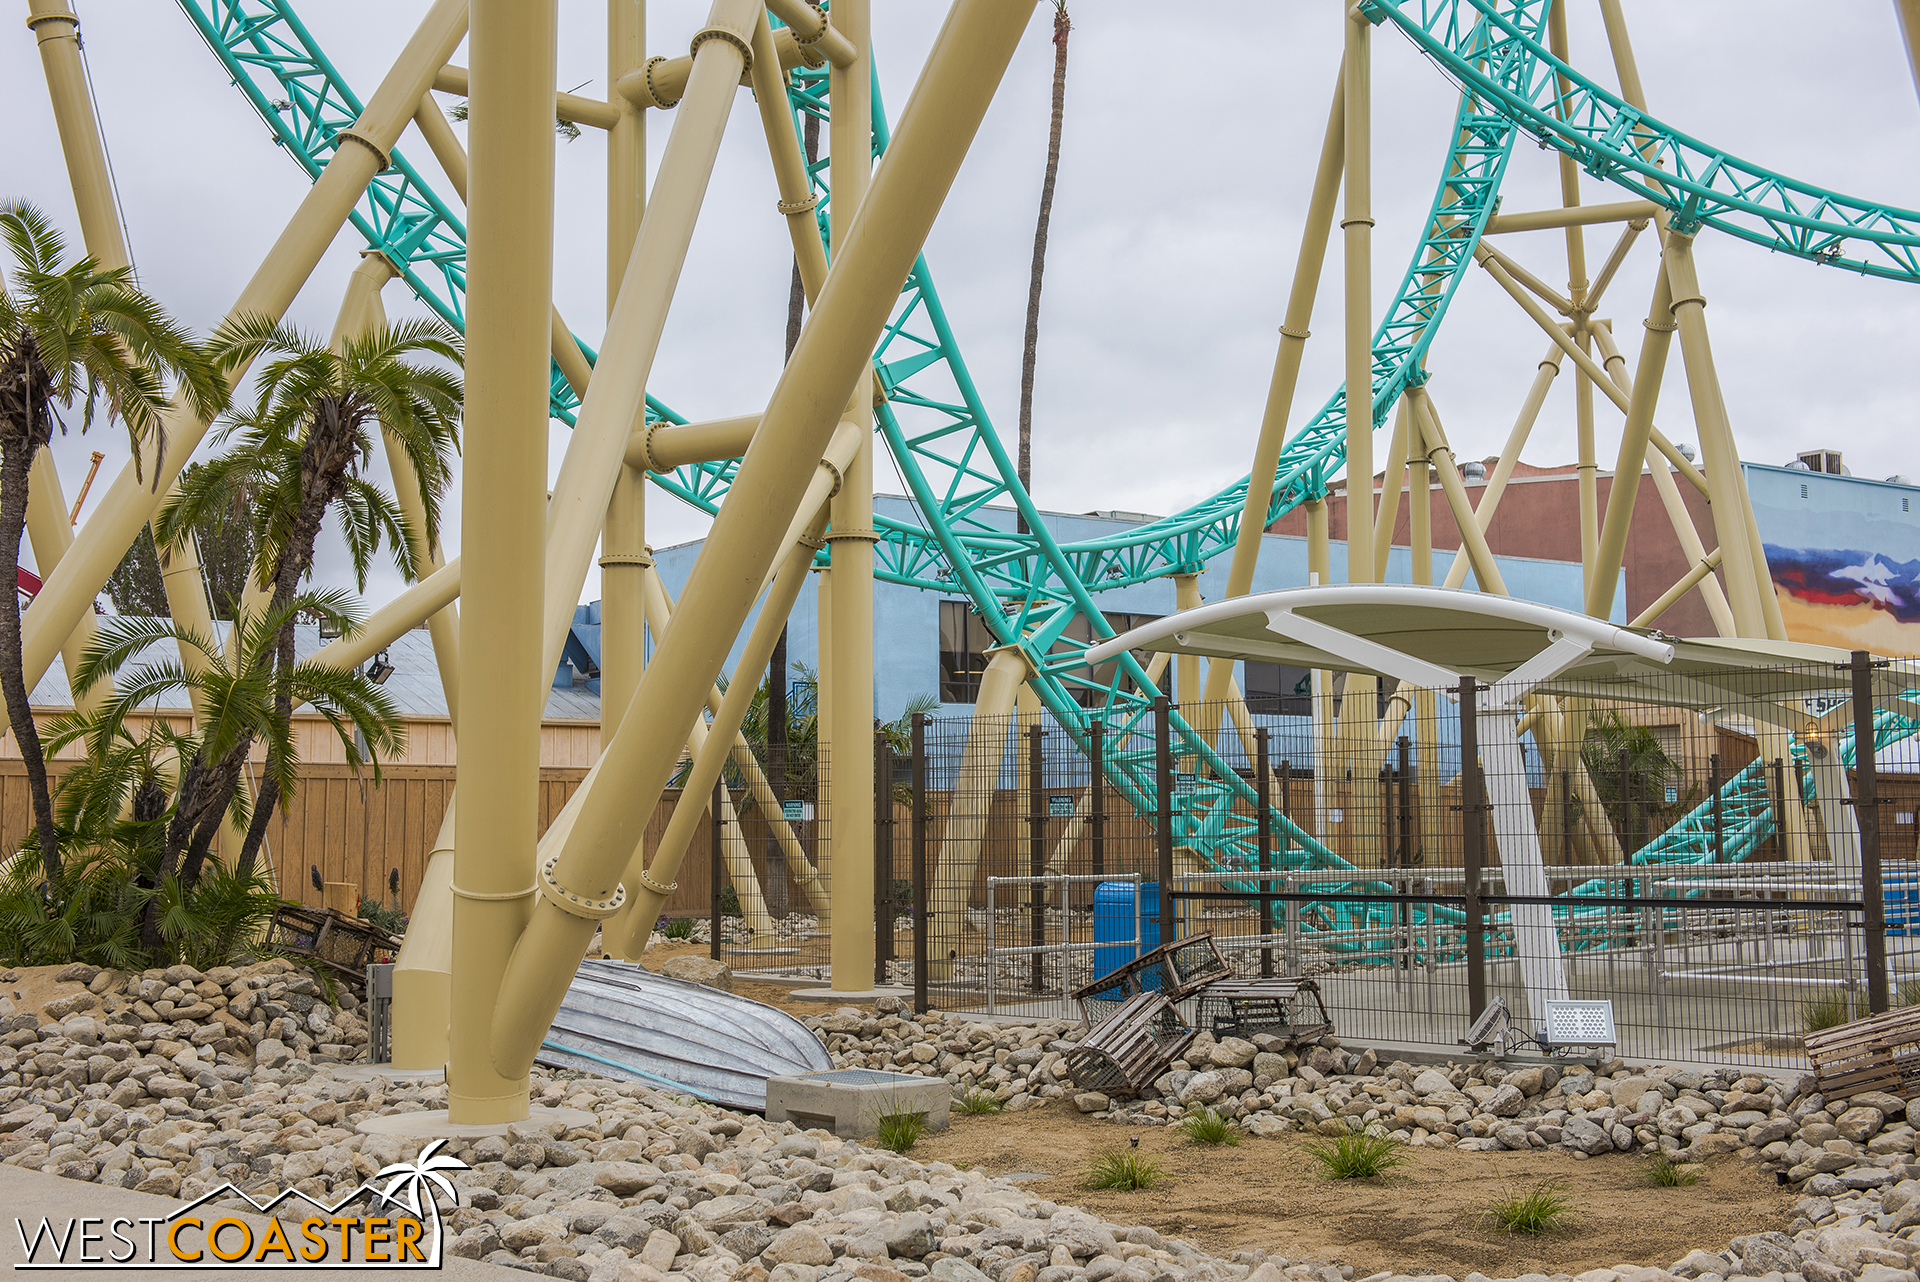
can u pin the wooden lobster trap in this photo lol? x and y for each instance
(1289, 1009)
(345, 945)
(1878, 1053)
(1131, 1047)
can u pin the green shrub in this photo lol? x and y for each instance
(729, 902)
(1667, 1174)
(391, 920)
(677, 928)
(1204, 1126)
(1357, 1155)
(1126, 1169)
(1829, 1010)
(1540, 1209)
(975, 1102)
(899, 1131)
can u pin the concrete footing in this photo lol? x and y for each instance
(433, 1123)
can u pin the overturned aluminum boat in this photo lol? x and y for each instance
(623, 1021)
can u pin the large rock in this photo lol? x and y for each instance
(1584, 1136)
(700, 970)
(1628, 1091)
(1859, 1123)
(798, 1245)
(1232, 1052)
(1506, 1101)
(1204, 1088)
(1431, 1082)
(909, 1237)
(1765, 1253)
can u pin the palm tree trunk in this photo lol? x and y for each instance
(323, 465)
(23, 416)
(1062, 26)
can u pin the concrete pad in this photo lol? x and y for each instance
(851, 995)
(367, 1072)
(851, 1101)
(431, 1123)
(30, 1195)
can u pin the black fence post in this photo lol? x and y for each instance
(1037, 848)
(1263, 802)
(1097, 799)
(713, 874)
(1472, 829)
(1866, 813)
(1163, 825)
(1403, 769)
(1713, 784)
(883, 903)
(1779, 791)
(920, 1005)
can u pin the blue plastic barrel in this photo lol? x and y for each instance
(1902, 894)
(1115, 915)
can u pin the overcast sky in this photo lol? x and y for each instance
(1188, 155)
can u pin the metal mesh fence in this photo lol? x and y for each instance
(1722, 869)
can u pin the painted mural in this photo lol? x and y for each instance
(1845, 559)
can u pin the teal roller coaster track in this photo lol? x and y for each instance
(1040, 594)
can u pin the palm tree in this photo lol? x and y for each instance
(73, 333)
(1062, 27)
(240, 705)
(299, 451)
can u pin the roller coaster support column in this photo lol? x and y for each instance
(1319, 561)
(1434, 446)
(1354, 731)
(623, 538)
(616, 398)
(1682, 522)
(851, 538)
(1420, 521)
(1581, 311)
(509, 306)
(57, 32)
(131, 500)
(972, 802)
(580, 884)
(1866, 812)
(1909, 13)
(1286, 373)
(1645, 392)
(797, 200)
(1186, 667)
(1744, 560)
(1509, 456)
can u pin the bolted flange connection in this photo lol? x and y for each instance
(578, 905)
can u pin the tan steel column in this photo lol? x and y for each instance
(1286, 368)
(503, 516)
(1440, 455)
(580, 886)
(1186, 667)
(1357, 225)
(850, 539)
(616, 397)
(797, 201)
(1689, 538)
(1717, 449)
(1496, 484)
(1320, 571)
(1392, 478)
(623, 539)
(1643, 393)
(132, 499)
(1908, 12)
(1420, 518)
(49, 528)
(973, 790)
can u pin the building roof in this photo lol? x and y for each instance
(414, 686)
